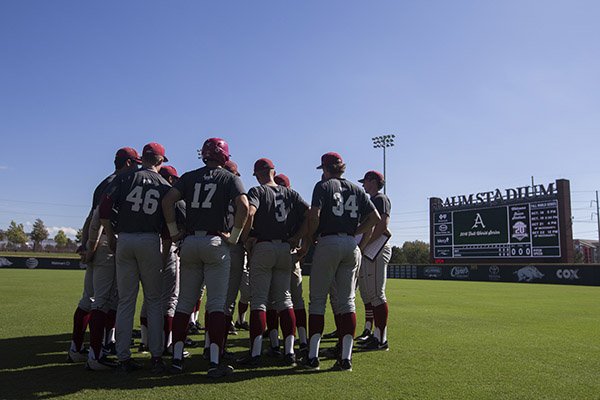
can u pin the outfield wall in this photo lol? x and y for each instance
(566, 274)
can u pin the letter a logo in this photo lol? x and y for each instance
(478, 221)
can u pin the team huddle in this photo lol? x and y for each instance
(202, 231)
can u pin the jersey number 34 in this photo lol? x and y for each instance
(339, 206)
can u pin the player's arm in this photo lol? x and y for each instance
(93, 236)
(313, 223)
(242, 210)
(105, 213)
(84, 234)
(245, 237)
(366, 227)
(381, 227)
(168, 207)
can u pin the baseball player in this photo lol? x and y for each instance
(238, 264)
(205, 257)
(337, 209)
(137, 196)
(99, 275)
(296, 282)
(170, 273)
(274, 210)
(372, 275)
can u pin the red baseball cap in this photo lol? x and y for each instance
(168, 170)
(263, 163)
(155, 148)
(232, 167)
(329, 159)
(373, 175)
(128, 153)
(282, 180)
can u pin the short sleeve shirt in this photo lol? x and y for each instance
(343, 205)
(207, 193)
(382, 203)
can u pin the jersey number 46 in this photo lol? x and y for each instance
(148, 202)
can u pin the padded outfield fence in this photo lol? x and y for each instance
(565, 274)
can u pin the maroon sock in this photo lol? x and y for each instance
(109, 324)
(180, 326)
(216, 328)
(300, 318)
(206, 321)
(81, 319)
(228, 319)
(272, 320)
(369, 314)
(258, 322)
(347, 325)
(287, 319)
(168, 328)
(381, 316)
(316, 323)
(242, 308)
(97, 323)
(336, 318)
(144, 321)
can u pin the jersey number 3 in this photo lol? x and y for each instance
(339, 206)
(148, 203)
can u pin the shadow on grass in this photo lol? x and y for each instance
(36, 368)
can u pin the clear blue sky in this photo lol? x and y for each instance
(480, 95)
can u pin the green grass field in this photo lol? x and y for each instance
(449, 340)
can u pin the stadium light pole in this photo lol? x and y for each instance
(383, 142)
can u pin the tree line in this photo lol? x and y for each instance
(17, 239)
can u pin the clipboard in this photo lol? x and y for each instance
(374, 248)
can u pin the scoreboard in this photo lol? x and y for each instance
(521, 229)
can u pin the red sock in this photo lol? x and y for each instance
(258, 322)
(97, 323)
(300, 318)
(288, 322)
(81, 318)
(316, 323)
(272, 320)
(347, 325)
(180, 326)
(228, 319)
(381, 316)
(216, 328)
(242, 308)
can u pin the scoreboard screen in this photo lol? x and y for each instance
(513, 230)
(516, 225)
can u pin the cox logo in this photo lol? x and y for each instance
(570, 274)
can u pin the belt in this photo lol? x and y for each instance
(270, 240)
(335, 234)
(205, 233)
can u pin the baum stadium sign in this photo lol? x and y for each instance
(523, 224)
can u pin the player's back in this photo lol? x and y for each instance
(276, 211)
(138, 200)
(207, 193)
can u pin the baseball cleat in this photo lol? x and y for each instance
(110, 349)
(363, 336)
(193, 329)
(342, 365)
(216, 371)
(142, 348)
(330, 335)
(101, 364)
(274, 351)
(290, 360)
(176, 366)
(249, 361)
(128, 366)
(77, 356)
(232, 330)
(190, 343)
(373, 344)
(242, 326)
(158, 365)
(312, 364)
